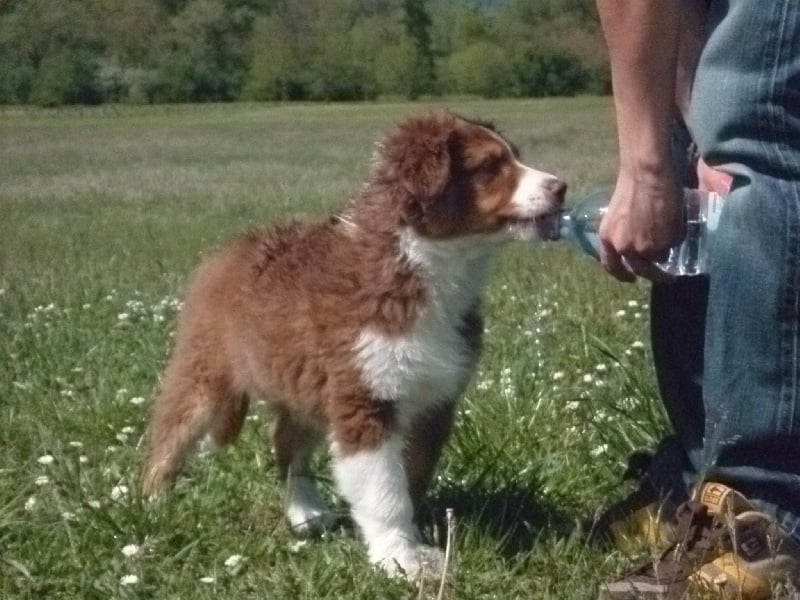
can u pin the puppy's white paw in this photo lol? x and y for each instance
(307, 522)
(306, 511)
(414, 562)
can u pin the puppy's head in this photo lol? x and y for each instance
(458, 178)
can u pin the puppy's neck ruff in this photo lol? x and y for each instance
(455, 270)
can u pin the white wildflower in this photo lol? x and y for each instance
(95, 504)
(637, 345)
(42, 480)
(118, 492)
(76, 444)
(45, 459)
(68, 515)
(128, 430)
(129, 580)
(588, 378)
(601, 368)
(633, 303)
(30, 503)
(83, 459)
(137, 400)
(233, 561)
(600, 450)
(620, 313)
(558, 375)
(123, 316)
(131, 550)
(207, 579)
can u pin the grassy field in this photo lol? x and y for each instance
(102, 214)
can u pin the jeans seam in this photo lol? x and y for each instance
(791, 299)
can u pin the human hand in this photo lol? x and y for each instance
(644, 219)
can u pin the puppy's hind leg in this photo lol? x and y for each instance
(294, 443)
(187, 408)
(228, 419)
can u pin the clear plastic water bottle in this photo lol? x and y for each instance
(580, 225)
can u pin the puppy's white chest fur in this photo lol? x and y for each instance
(433, 361)
(427, 365)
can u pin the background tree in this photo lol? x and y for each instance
(202, 54)
(418, 24)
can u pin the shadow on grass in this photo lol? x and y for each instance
(511, 515)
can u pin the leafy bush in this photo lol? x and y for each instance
(273, 73)
(67, 77)
(395, 68)
(16, 78)
(481, 68)
(548, 73)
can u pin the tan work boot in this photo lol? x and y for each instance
(724, 549)
(640, 521)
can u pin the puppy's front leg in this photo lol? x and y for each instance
(375, 484)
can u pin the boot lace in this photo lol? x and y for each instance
(700, 538)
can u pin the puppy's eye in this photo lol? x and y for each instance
(489, 168)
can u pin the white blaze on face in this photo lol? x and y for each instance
(529, 199)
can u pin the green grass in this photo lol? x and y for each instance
(102, 214)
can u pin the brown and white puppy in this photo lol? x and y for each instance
(361, 331)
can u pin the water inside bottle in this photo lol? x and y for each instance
(687, 258)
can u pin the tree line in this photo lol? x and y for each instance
(57, 52)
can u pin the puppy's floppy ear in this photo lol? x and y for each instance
(418, 159)
(427, 166)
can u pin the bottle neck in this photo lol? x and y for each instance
(580, 231)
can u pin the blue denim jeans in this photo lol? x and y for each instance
(727, 348)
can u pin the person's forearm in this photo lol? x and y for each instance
(642, 38)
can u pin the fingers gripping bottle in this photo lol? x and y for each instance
(580, 226)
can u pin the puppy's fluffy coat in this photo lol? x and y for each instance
(361, 331)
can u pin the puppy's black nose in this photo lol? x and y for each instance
(557, 189)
